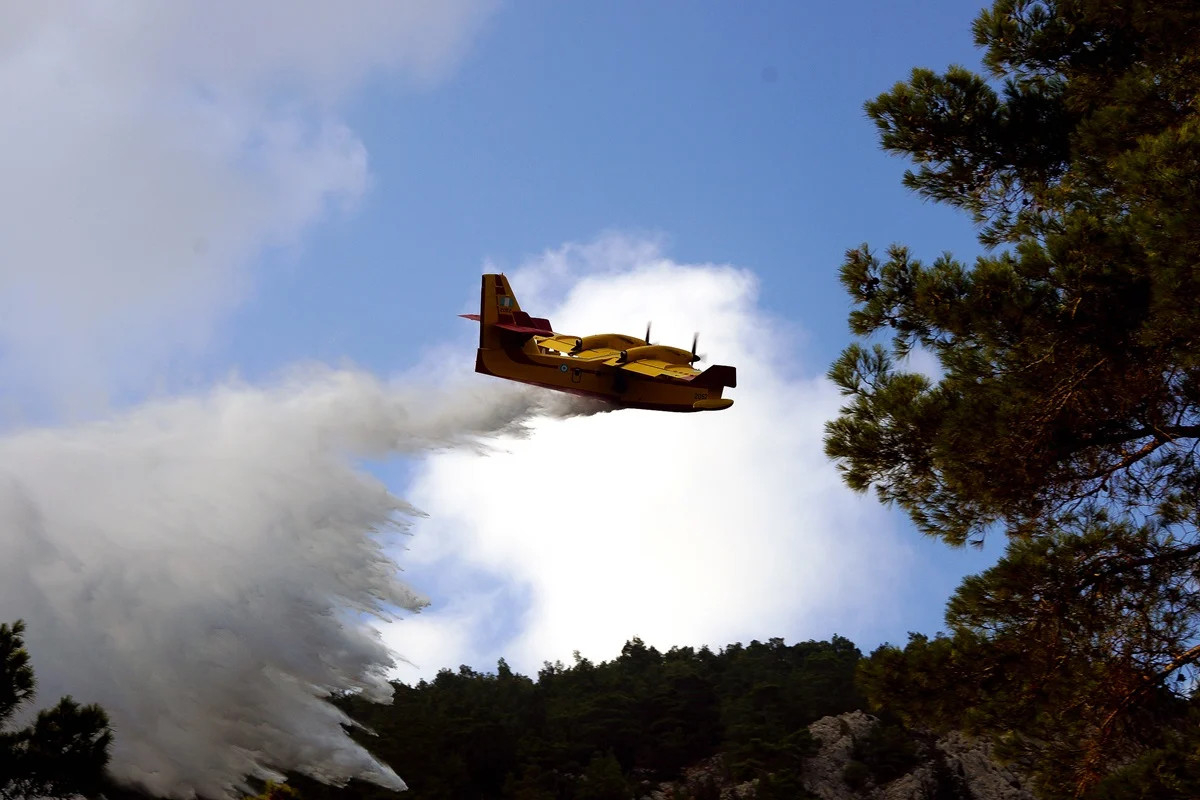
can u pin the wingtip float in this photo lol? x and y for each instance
(623, 370)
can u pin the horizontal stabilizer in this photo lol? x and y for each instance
(521, 323)
(526, 329)
(716, 375)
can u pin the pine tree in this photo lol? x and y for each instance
(64, 751)
(1067, 413)
(1072, 358)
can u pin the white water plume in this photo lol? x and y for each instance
(208, 569)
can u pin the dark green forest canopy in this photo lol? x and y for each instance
(1067, 412)
(627, 723)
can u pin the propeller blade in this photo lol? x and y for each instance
(647, 333)
(695, 340)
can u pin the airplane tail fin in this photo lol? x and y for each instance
(497, 302)
(500, 311)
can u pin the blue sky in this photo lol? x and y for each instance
(212, 195)
(567, 120)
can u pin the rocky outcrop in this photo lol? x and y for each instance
(823, 773)
(708, 779)
(953, 767)
(972, 758)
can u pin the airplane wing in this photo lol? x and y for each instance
(716, 375)
(566, 345)
(654, 368)
(598, 354)
(560, 343)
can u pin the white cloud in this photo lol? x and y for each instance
(154, 149)
(679, 528)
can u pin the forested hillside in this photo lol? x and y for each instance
(687, 723)
(611, 729)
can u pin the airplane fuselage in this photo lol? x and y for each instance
(579, 376)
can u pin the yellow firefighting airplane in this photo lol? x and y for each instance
(619, 369)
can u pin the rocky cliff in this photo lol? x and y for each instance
(850, 764)
(952, 767)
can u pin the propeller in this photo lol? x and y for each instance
(647, 333)
(696, 357)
